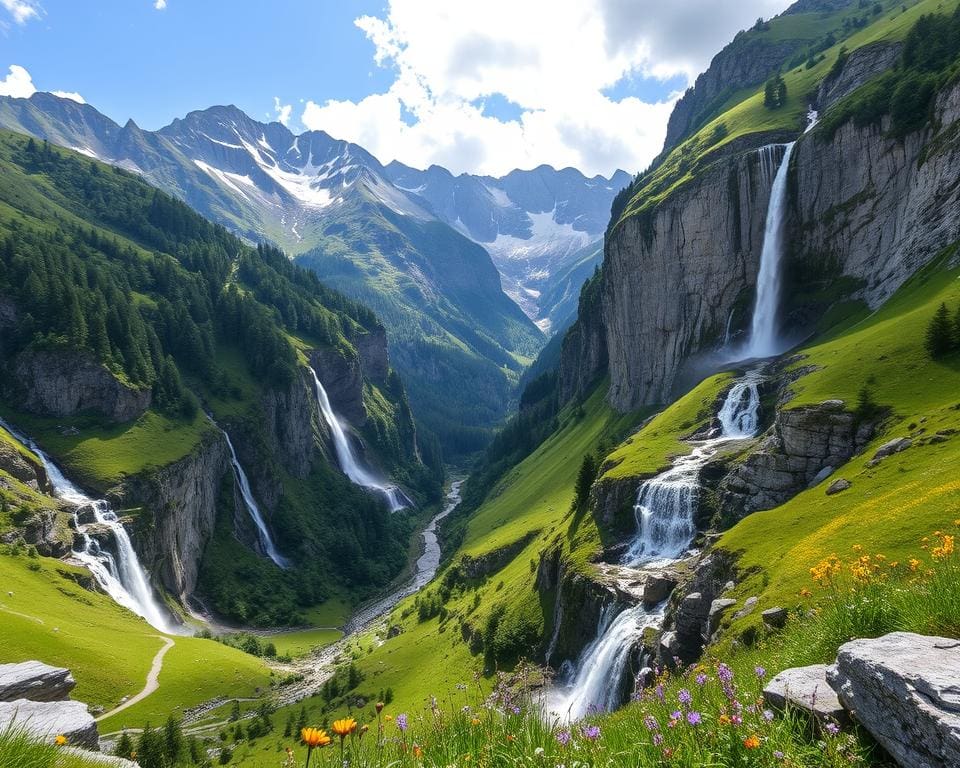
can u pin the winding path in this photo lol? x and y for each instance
(153, 680)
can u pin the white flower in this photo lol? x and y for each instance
(538, 751)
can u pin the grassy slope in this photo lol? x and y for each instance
(908, 495)
(48, 616)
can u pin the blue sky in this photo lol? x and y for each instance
(481, 87)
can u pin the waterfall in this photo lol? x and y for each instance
(596, 685)
(764, 341)
(349, 461)
(665, 509)
(263, 532)
(122, 577)
(666, 504)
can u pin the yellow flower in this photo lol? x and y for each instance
(388, 718)
(957, 521)
(857, 548)
(914, 564)
(475, 721)
(944, 548)
(344, 727)
(417, 751)
(724, 720)
(752, 741)
(60, 740)
(314, 737)
(805, 592)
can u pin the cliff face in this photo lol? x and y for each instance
(878, 208)
(63, 383)
(180, 507)
(583, 356)
(673, 275)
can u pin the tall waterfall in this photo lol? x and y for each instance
(764, 341)
(350, 463)
(666, 503)
(122, 577)
(665, 509)
(263, 532)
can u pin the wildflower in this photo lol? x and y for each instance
(60, 740)
(724, 673)
(657, 739)
(944, 549)
(767, 715)
(693, 718)
(538, 752)
(701, 679)
(752, 741)
(778, 754)
(684, 696)
(651, 723)
(660, 691)
(832, 728)
(388, 718)
(724, 719)
(676, 715)
(760, 672)
(511, 737)
(417, 751)
(591, 732)
(402, 722)
(805, 592)
(363, 729)
(914, 564)
(379, 707)
(475, 721)
(314, 737)
(563, 738)
(736, 719)
(344, 727)
(857, 548)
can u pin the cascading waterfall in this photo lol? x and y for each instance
(764, 340)
(665, 509)
(666, 503)
(122, 577)
(349, 461)
(263, 532)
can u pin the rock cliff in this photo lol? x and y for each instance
(63, 383)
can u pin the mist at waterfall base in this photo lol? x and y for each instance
(665, 514)
(349, 462)
(121, 577)
(267, 544)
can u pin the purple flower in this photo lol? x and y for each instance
(651, 723)
(402, 722)
(760, 671)
(693, 718)
(684, 696)
(657, 739)
(736, 719)
(701, 679)
(676, 715)
(767, 715)
(591, 732)
(563, 738)
(659, 691)
(833, 729)
(724, 673)
(778, 754)
(515, 709)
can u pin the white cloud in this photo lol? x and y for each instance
(17, 84)
(554, 59)
(72, 95)
(22, 10)
(160, 5)
(282, 111)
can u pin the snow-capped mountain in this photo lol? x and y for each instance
(535, 224)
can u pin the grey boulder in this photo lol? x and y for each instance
(46, 720)
(805, 689)
(904, 689)
(36, 681)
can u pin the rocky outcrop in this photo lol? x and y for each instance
(64, 383)
(20, 468)
(876, 209)
(36, 681)
(806, 690)
(49, 532)
(342, 377)
(290, 418)
(612, 501)
(903, 688)
(583, 354)
(860, 65)
(45, 720)
(801, 444)
(371, 346)
(180, 503)
(673, 275)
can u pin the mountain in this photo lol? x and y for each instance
(169, 368)
(537, 225)
(457, 339)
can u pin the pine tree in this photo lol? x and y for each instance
(940, 333)
(585, 478)
(150, 749)
(288, 728)
(302, 719)
(174, 744)
(235, 711)
(124, 746)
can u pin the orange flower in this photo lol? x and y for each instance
(314, 737)
(60, 740)
(475, 721)
(388, 718)
(752, 741)
(511, 737)
(724, 720)
(417, 752)
(344, 727)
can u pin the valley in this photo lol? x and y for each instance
(535, 468)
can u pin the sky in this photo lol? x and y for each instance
(479, 87)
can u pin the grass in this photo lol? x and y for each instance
(301, 642)
(45, 614)
(101, 455)
(18, 749)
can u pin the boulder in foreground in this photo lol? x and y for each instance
(48, 719)
(805, 689)
(905, 690)
(36, 681)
